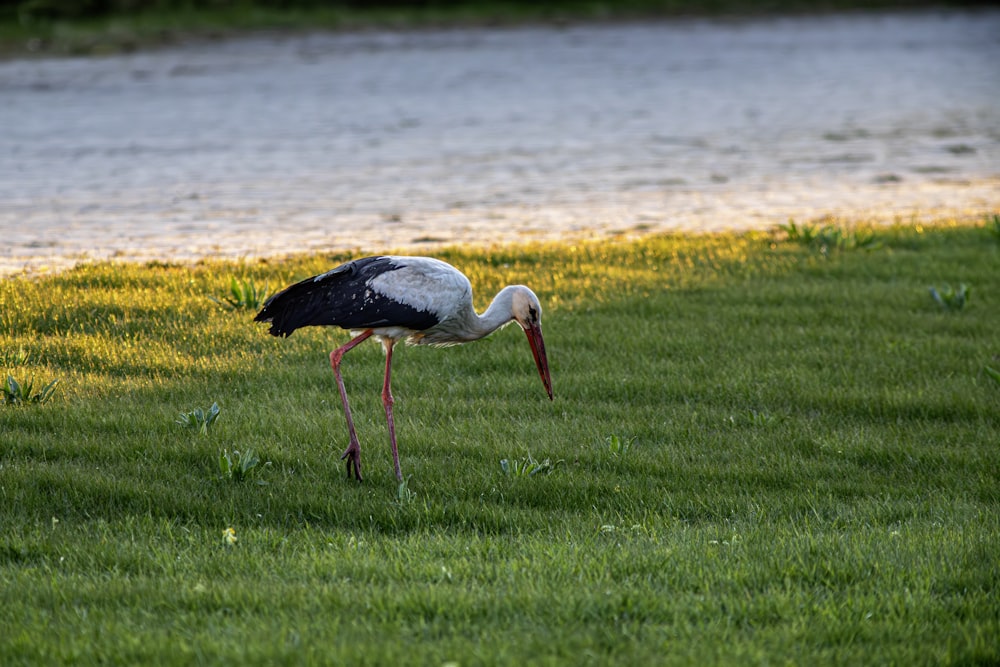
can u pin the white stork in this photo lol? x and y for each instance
(423, 300)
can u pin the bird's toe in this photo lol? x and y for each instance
(352, 459)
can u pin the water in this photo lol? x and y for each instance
(385, 140)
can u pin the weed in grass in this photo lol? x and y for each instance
(829, 238)
(837, 238)
(239, 466)
(832, 238)
(759, 418)
(528, 466)
(229, 537)
(15, 393)
(617, 445)
(18, 357)
(199, 419)
(404, 496)
(951, 299)
(993, 374)
(802, 234)
(993, 227)
(243, 295)
(614, 529)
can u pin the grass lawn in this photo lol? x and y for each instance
(770, 448)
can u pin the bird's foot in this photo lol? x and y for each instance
(352, 455)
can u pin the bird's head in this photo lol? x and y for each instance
(527, 311)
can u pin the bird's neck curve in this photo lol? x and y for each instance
(499, 313)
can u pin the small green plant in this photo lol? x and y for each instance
(18, 357)
(829, 238)
(14, 393)
(243, 295)
(528, 466)
(993, 227)
(239, 466)
(993, 374)
(619, 446)
(803, 234)
(760, 418)
(951, 299)
(403, 493)
(199, 419)
(832, 238)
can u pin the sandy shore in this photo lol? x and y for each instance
(264, 146)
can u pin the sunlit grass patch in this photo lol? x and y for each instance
(13, 357)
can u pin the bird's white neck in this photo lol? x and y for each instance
(499, 313)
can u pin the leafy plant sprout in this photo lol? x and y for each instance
(528, 466)
(239, 466)
(403, 493)
(993, 226)
(243, 295)
(18, 357)
(14, 393)
(199, 419)
(803, 234)
(951, 299)
(619, 446)
(829, 238)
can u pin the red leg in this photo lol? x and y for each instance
(387, 401)
(353, 452)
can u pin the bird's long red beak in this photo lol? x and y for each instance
(534, 333)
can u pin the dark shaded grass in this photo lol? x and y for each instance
(70, 27)
(812, 477)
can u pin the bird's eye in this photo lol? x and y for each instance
(532, 313)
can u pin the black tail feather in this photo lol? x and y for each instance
(311, 302)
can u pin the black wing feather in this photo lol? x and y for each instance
(341, 297)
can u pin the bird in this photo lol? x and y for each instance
(422, 300)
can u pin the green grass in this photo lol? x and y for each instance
(71, 27)
(807, 468)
